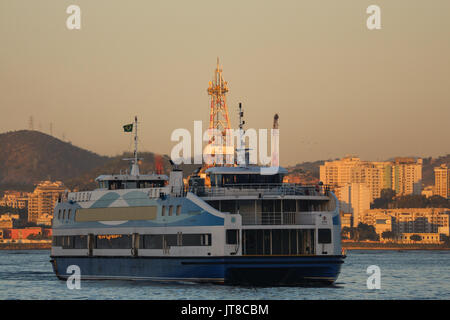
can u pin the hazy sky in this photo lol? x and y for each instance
(338, 87)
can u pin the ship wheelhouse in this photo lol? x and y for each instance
(243, 176)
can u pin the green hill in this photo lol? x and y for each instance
(27, 157)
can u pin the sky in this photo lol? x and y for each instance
(338, 87)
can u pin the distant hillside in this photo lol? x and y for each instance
(428, 168)
(27, 157)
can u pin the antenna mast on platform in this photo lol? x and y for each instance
(219, 120)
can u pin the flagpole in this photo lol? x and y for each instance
(135, 140)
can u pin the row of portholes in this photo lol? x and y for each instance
(64, 214)
(170, 211)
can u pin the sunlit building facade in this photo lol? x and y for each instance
(442, 181)
(407, 176)
(42, 201)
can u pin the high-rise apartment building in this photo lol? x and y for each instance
(442, 181)
(355, 199)
(339, 172)
(376, 175)
(14, 199)
(403, 175)
(357, 183)
(43, 199)
(407, 176)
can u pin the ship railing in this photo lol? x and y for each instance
(278, 218)
(259, 189)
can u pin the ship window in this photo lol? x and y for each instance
(163, 211)
(232, 236)
(64, 214)
(276, 242)
(130, 185)
(57, 241)
(69, 213)
(59, 214)
(196, 239)
(281, 241)
(170, 210)
(115, 185)
(66, 242)
(151, 241)
(113, 241)
(324, 235)
(206, 239)
(171, 240)
(178, 210)
(80, 242)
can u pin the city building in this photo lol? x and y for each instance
(355, 199)
(339, 172)
(442, 181)
(44, 220)
(7, 220)
(428, 191)
(425, 238)
(16, 234)
(346, 220)
(43, 199)
(407, 176)
(380, 220)
(14, 199)
(409, 220)
(404, 175)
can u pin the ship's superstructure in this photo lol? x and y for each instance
(242, 227)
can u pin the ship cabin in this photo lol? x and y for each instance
(128, 181)
(239, 176)
(277, 218)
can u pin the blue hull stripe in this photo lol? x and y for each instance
(272, 270)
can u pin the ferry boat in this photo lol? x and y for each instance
(241, 228)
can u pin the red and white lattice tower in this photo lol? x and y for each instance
(219, 120)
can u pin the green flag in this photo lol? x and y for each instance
(128, 128)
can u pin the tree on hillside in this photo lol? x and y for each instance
(446, 240)
(366, 232)
(348, 233)
(386, 197)
(411, 201)
(438, 202)
(389, 201)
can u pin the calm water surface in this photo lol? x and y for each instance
(404, 275)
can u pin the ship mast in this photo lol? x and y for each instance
(135, 139)
(135, 159)
(241, 151)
